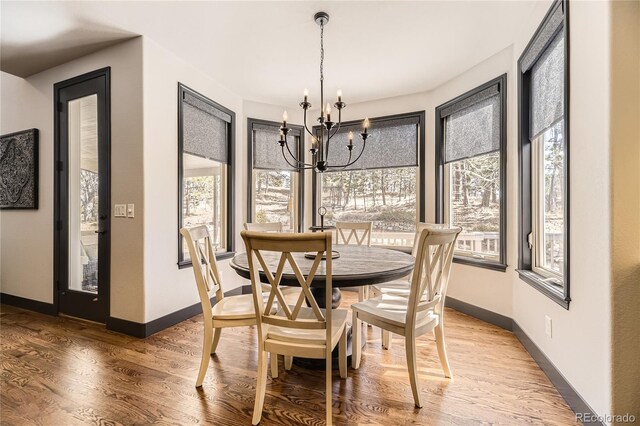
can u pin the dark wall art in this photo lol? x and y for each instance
(19, 170)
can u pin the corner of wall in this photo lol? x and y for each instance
(625, 206)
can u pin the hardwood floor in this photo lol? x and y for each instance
(62, 371)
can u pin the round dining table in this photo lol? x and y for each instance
(355, 266)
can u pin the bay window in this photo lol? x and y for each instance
(384, 185)
(275, 187)
(205, 138)
(471, 173)
(544, 158)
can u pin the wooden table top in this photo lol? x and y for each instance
(356, 266)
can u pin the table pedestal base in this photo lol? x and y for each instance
(319, 295)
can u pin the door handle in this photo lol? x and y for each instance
(100, 232)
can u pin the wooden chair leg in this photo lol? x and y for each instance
(342, 349)
(361, 294)
(442, 350)
(329, 385)
(356, 342)
(274, 365)
(410, 344)
(216, 339)
(206, 354)
(261, 387)
(386, 339)
(288, 362)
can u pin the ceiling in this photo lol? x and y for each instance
(269, 51)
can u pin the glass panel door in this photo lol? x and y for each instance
(83, 194)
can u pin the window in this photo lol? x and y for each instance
(471, 173)
(205, 170)
(544, 158)
(383, 186)
(276, 188)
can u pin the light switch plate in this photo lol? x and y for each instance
(547, 326)
(130, 211)
(120, 210)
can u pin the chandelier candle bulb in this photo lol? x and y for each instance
(328, 112)
(339, 95)
(350, 138)
(285, 117)
(306, 95)
(366, 124)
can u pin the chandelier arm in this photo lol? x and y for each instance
(364, 143)
(337, 128)
(359, 155)
(300, 166)
(305, 124)
(344, 166)
(291, 153)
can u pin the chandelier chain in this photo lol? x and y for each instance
(321, 51)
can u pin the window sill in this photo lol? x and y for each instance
(494, 266)
(220, 256)
(537, 281)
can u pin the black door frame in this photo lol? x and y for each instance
(99, 82)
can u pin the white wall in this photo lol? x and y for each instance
(26, 243)
(581, 342)
(167, 288)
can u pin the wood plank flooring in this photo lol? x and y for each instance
(62, 371)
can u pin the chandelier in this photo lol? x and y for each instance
(320, 143)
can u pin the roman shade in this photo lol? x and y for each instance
(391, 143)
(472, 125)
(547, 87)
(267, 153)
(204, 129)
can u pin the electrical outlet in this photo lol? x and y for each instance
(130, 210)
(120, 210)
(547, 326)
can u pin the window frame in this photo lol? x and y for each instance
(527, 269)
(420, 198)
(230, 184)
(441, 176)
(250, 169)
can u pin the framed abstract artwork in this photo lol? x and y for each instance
(19, 170)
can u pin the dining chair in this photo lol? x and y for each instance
(422, 311)
(263, 227)
(295, 330)
(401, 287)
(361, 234)
(229, 311)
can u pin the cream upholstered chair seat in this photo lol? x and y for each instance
(311, 337)
(236, 307)
(393, 311)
